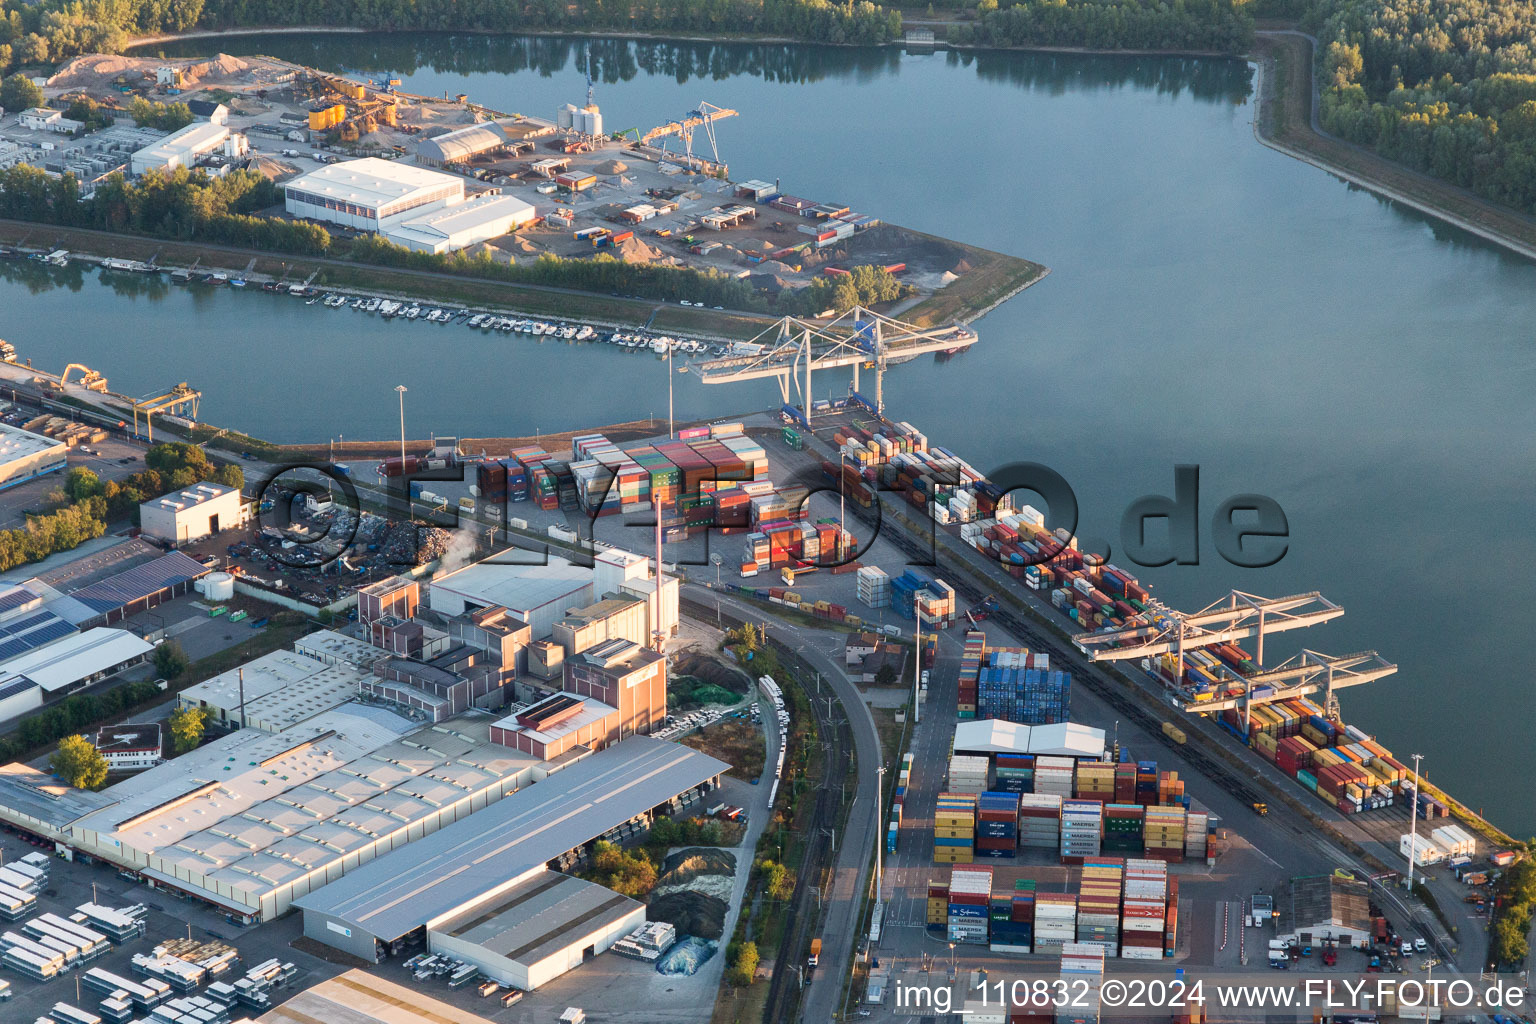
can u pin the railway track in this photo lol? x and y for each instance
(801, 917)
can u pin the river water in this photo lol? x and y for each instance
(1210, 302)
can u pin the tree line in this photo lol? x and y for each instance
(35, 32)
(1219, 26)
(74, 715)
(1445, 86)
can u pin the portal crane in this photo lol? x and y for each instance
(181, 397)
(704, 117)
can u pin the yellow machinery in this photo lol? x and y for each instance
(89, 378)
(181, 398)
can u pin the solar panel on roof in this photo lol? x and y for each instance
(16, 598)
(15, 686)
(22, 625)
(140, 582)
(11, 648)
(50, 632)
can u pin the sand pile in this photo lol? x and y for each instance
(611, 167)
(632, 250)
(90, 70)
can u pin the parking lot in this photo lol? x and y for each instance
(71, 884)
(104, 458)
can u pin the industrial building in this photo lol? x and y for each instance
(366, 193)
(1321, 907)
(616, 571)
(540, 595)
(358, 997)
(461, 144)
(75, 661)
(616, 616)
(461, 225)
(398, 596)
(391, 904)
(275, 692)
(185, 147)
(41, 119)
(994, 736)
(539, 929)
(138, 589)
(25, 456)
(557, 723)
(201, 510)
(440, 686)
(38, 804)
(129, 747)
(209, 110)
(335, 648)
(253, 820)
(625, 676)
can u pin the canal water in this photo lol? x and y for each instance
(1210, 302)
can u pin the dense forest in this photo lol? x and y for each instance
(35, 32)
(1445, 86)
(1221, 26)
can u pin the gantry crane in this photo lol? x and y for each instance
(792, 347)
(704, 117)
(181, 397)
(1243, 616)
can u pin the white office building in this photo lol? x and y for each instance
(41, 119)
(199, 511)
(365, 193)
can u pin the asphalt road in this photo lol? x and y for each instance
(854, 845)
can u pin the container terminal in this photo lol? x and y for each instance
(1042, 814)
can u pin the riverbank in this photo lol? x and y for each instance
(1285, 120)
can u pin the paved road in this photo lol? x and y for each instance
(851, 872)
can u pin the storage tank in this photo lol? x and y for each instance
(218, 586)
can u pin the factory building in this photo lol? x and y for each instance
(439, 687)
(557, 723)
(501, 635)
(461, 144)
(395, 901)
(185, 147)
(399, 596)
(129, 748)
(275, 692)
(197, 512)
(138, 589)
(1321, 907)
(39, 805)
(253, 820)
(539, 595)
(26, 456)
(75, 661)
(539, 929)
(461, 225)
(366, 193)
(616, 571)
(616, 616)
(625, 676)
(335, 648)
(994, 736)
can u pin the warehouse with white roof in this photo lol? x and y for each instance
(994, 736)
(275, 691)
(365, 193)
(185, 147)
(461, 225)
(253, 820)
(25, 456)
(441, 882)
(76, 660)
(540, 595)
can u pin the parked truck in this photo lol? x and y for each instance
(815, 957)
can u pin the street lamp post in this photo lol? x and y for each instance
(1413, 821)
(401, 389)
(671, 433)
